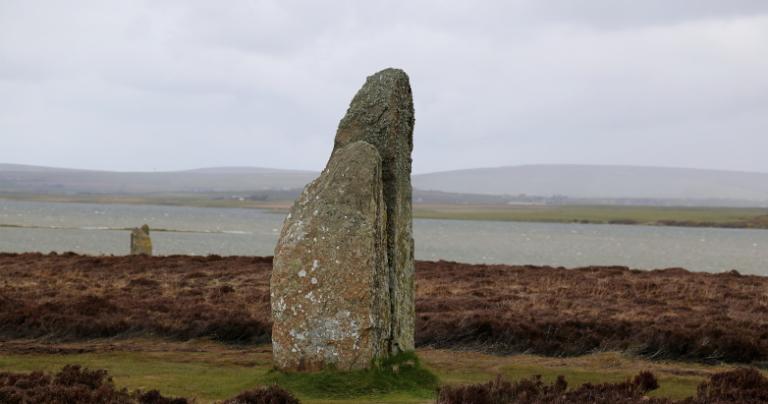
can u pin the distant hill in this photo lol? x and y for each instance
(592, 181)
(32, 179)
(27, 168)
(245, 170)
(651, 185)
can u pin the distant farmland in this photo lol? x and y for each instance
(723, 217)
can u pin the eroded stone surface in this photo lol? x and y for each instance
(141, 243)
(330, 286)
(381, 113)
(342, 288)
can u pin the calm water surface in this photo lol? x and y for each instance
(99, 229)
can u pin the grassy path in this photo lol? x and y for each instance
(210, 371)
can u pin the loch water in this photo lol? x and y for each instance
(102, 229)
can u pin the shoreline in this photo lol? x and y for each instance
(269, 258)
(659, 216)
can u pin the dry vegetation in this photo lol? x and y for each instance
(743, 386)
(70, 297)
(669, 313)
(74, 384)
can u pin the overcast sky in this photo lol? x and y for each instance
(163, 85)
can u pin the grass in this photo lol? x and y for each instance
(206, 201)
(677, 380)
(172, 375)
(210, 371)
(401, 375)
(646, 215)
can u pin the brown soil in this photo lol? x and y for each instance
(669, 313)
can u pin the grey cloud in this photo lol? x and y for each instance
(179, 84)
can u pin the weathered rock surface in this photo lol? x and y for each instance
(342, 290)
(382, 114)
(141, 243)
(330, 286)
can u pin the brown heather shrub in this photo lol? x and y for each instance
(502, 391)
(660, 314)
(104, 297)
(265, 395)
(154, 397)
(74, 384)
(742, 386)
(746, 386)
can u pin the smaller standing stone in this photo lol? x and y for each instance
(141, 244)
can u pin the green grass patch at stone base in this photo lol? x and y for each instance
(213, 376)
(402, 375)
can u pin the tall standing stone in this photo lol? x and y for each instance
(342, 286)
(141, 243)
(382, 114)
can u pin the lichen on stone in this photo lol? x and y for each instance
(351, 229)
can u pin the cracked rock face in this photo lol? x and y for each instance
(382, 114)
(329, 286)
(342, 287)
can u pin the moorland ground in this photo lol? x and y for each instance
(147, 319)
(669, 313)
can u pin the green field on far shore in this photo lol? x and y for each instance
(597, 214)
(603, 214)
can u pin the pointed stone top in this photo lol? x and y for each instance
(381, 113)
(389, 74)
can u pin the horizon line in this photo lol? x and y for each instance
(603, 165)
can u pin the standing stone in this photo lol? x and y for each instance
(342, 286)
(329, 286)
(141, 244)
(382, 114)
